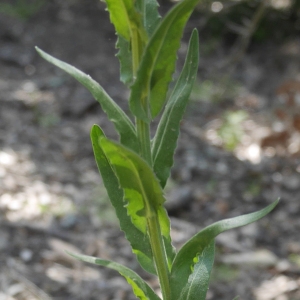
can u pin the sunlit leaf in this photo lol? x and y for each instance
(115, 193)
(142, 191)
(121, 14)
(130, 30)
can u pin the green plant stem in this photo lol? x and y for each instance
(159, 256)
(136, 50)
(143, 134)
(143, 129)
(154, 231)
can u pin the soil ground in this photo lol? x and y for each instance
(239, 150)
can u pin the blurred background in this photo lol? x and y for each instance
(238, 151)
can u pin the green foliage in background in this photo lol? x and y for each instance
(135, 169)
(231, 131)
(22, 9)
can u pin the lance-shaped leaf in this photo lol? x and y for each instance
(165, 140)
(116, 115)
(158, 62)
(123, 29)
(185, 258)
(151, 17)
(131, 34)
(140, 288)
(139, 241)
(142, 191)
(198, 282)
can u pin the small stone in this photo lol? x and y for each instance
(68, 221)
(283, 265)
(291, 182)
(294, 247)
(26, 255)
(222, 168)
(261, 258)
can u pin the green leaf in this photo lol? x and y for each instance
(198, 281)
(184, 260)
(140, 288)
(158, 62)
(165, 140)
(151, 17)
(121, 12)
(125, 58)
(139, 241)
(121, 121)
(129, 26)
(142, 191)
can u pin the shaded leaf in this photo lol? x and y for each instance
(165, 140)
(116, 115)
(151, 17)
(158, 62)
(198, 282)
(115, 193)
(184, 260)
(142, 191)
(140, 288)
(125, 58)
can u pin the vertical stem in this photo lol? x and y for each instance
(143, 134)
(159, 255)
(136, 49)
(143, 128)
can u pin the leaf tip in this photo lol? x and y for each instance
(38, 50)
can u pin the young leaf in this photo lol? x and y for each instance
(151, 17)
(121, 12)
(198, 282)
(142, 191)
(132, 35)
(184, 260)
(165, 140)
(158, 62)
(123, 16)
(140, 288)
(121, 121)
(139, 241)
